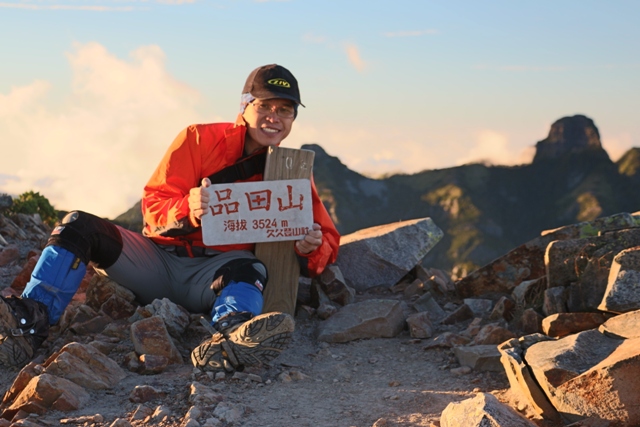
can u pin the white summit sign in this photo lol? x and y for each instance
(260, 211)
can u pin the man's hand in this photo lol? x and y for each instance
(199, 199)
(312, 240)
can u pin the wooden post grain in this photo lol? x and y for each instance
(280, 258)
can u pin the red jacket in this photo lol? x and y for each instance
(200, 151)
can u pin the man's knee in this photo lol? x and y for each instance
(88, 237)
(247, 270)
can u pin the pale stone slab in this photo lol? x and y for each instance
(479, 357)
(484, 410)
(382, 255)
(376, 318)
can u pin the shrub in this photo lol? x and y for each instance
(31, 203)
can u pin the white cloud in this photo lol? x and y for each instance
(493, 147)
(97, 150)
(374, 150)
(353, 54)
(410, 33)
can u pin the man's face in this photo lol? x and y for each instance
(268, 122)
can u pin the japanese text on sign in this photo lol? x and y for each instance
(262, 211)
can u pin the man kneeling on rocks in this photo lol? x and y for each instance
(170, 260)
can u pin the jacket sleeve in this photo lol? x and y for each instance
(312, 264)
(165, 206)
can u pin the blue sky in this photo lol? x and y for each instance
(93, 92)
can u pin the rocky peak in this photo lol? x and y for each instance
(575, 134)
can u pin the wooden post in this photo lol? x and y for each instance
(281, 291)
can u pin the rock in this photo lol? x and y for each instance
(503, 309)
(145, 393)
(333, 284)
(117, 307)
(26, 374)
(479, 307)
(520, 378)
(229, 413)
(609, 390)
(152, 364)
(175, 318)
(141, 412)
(368, 319)
(85, 366)
(426, 303)
(48, 392)
(473, 328)
(555, 300)
(200, 394)
(484, 410)
(325, 308)
(461, 314)
(623, 326)
(622, 293)
(446, 340)
(531, 321)
(101, 289)
(587, 292)
(563, 324)
(420, 325)
(120, 422)
(582, 375)
(382, 255)
(161, 413)
(530, 293)
(526, 262)
(9, 254)
(492, 334)
(150, 336)
(415, 288)
(479, 357)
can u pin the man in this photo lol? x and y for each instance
(170, 259)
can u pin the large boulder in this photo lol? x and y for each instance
(382, 255)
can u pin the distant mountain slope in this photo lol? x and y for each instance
(484, 211)
(487, 210)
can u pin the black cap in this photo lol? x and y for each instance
(272, 81)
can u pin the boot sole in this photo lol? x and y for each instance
(14, 350)
(254, 343)
(262, 339)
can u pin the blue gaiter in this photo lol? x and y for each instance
(55, 280)
(237, 297)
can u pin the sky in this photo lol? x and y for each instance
(92, 93)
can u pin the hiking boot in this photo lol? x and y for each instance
(24, 325)
(253, 343)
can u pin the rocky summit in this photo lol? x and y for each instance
(546, 335)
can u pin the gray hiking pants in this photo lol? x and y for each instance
(153, 272)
